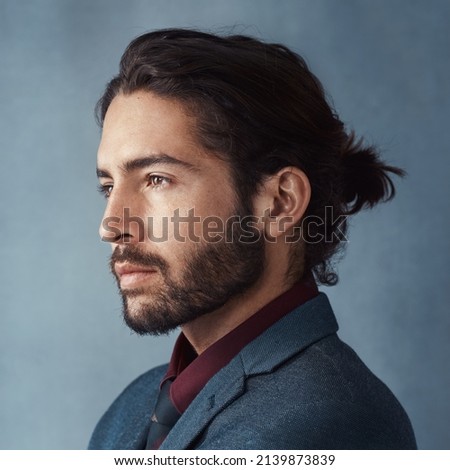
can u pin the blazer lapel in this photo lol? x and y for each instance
(225, 387)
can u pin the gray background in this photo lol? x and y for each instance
(64, 352)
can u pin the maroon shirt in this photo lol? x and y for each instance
(190, 372)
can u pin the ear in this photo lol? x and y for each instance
(282, 200)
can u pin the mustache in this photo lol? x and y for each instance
(132, 255)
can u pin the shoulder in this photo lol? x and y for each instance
(347, 406)
(124, 424)
(322, 398)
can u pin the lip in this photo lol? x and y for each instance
(131, 275)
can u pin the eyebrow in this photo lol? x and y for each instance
(148, 161)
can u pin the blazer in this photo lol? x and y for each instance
(296, 386)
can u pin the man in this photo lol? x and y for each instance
(228, 180)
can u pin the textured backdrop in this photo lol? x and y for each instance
(64, 352)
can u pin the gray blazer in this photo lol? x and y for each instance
(296, 386)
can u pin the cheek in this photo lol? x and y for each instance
(170, 229)
(186, 216)
(219, 201)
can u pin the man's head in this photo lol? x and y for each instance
(225, 126)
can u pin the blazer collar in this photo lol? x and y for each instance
(296, 331)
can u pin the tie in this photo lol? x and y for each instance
(163, 419)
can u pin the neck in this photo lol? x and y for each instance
(207, 329)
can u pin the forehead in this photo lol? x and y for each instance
(142, 124)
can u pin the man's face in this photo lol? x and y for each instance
(176, 253)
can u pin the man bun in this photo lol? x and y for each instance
(365, 177)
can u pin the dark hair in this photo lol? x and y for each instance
(259, 106)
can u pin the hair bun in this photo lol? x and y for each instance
(365, 177)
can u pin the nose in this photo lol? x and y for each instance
(121, 222)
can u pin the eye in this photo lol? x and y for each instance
(158, 180)
(105, 189)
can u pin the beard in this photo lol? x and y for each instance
(212, 275)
